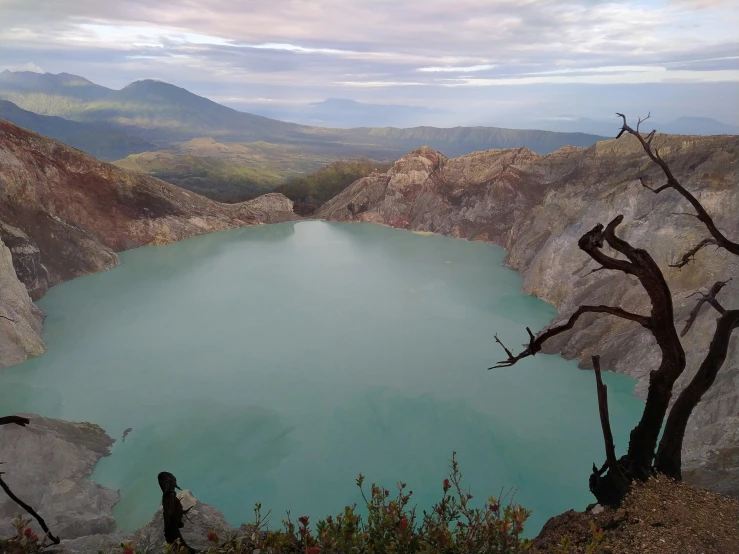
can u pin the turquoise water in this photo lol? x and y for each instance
(273, 364)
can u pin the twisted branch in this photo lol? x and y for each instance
(28, 509)
(646, 142)
(536, 343)
(710, 297)
(14, 419)
(690, 254)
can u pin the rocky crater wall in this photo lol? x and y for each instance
(64, 214)
(537, 207)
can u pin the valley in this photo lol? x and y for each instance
(165, 131)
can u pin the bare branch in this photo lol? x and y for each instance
(716, 305)
(14, 419)
(684, 213)
(28, 509)
(655, 191)
(672, 182)
(508, 352)
(690, 254)
(638, 123)
(622, 484)
(536, 343)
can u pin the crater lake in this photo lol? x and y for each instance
(275, 363)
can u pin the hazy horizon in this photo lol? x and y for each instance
(486, 63)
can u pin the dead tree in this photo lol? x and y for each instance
(23, 421)
(610, 483)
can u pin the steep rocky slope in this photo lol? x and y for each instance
(64, 214)
(538, 206)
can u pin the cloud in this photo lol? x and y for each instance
(402, 50)
(447, 69)
(30, 66)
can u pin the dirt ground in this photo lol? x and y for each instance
(661, 516)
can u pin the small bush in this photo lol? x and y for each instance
(390, 526)
(26, 541)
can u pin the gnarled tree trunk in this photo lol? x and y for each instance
(640, 460)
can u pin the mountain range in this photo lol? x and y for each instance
(100, 141)
(165, 114)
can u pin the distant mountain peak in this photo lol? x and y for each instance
(152, 83)
(338, 102)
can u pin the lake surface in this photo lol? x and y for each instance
(273, 364)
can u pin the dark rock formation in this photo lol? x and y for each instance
(201, 519)
(64, 214)
(537, 207)
(47, 464)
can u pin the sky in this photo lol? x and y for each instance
(484, 61)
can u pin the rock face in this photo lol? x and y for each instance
(64, 214)
(26, 260)
(20, 319)
(537, 207)
(47, 464)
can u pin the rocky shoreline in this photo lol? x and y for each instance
(48, 463)
(659, 516)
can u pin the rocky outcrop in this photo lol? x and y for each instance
(47, 464)
(537, 207)
(20, 319)
(26, 260)
(64, 214)
(201, 520)
(272, 208)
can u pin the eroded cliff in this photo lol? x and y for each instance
(537, 207)
(64, 214)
